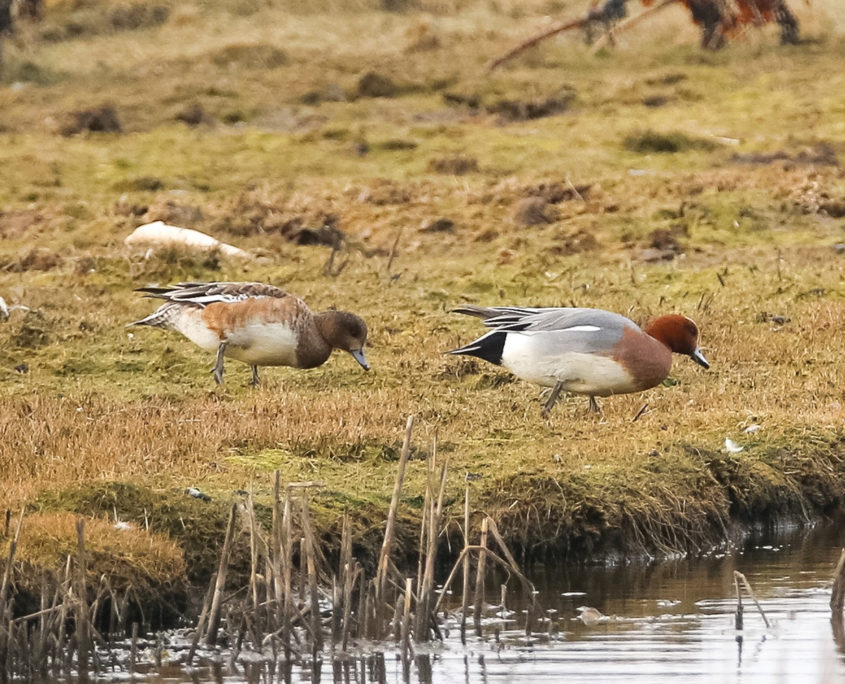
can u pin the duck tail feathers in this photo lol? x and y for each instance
(482, 312)
(488, 347)
(160, 318)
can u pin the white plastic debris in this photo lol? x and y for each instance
(732, 447)
(159, 234)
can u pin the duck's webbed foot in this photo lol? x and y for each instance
(552, 400)
(218, 366)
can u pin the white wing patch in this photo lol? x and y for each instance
(205, 300)
(561, 331)
(582, 328)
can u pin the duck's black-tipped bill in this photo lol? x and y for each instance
(698, 357)
(358, 355)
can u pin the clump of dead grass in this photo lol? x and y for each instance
(128, 555)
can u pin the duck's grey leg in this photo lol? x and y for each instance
(218, 367)
(594, 406)
(254, 382)
(552, 400)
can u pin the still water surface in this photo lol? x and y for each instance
(671, 621)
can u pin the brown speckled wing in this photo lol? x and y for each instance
(203, 294)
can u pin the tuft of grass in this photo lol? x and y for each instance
(127, 555)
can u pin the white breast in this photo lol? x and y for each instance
(189, 322)
(263, 344)
(528, 358)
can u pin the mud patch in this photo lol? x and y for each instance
(175, 213)
(17, 223)
(820, 155)
(325, 234)
(652, 142)
(455, 166)
(373, 84)
(514, 110)
(663, 245)
(256, 56)
(535, 211)
(554, 193)
(441, 225)
(575, 243)
(89, 19)
(194, 115)
(102, 119)
(383, 192)
(33, 331)
(524, 110)
(38, 259)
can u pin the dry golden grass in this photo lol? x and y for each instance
(86, 403)
(128, 557)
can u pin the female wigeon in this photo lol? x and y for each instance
(258, 324)
(586, 351)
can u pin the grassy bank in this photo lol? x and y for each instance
(659, 178)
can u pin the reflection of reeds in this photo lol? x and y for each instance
(292, 602)
(837, 599)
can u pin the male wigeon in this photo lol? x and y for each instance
(258, 324)
(586, 351)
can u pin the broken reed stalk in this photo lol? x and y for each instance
(479, 577)
(837, 599)
(465, 588)
(311, 563)
(7, 573)
(406, 616)
(6, 634)
(837, 595)
(463, 554)
(427, 504)
(286, 550)
(220, 583)
(425, 586)
(203, 619)
(738, 619)
(40, 656)
(741, 577)
(384, 556)
(133, 653)
(82, 634)
(276, 560)
(346, 574)
(527, 585)
(393, 250)
(253, 550)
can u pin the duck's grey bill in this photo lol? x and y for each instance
(360, 358)
(698, 357)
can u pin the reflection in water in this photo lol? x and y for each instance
(660, 622)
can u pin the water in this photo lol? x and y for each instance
(661, 622)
